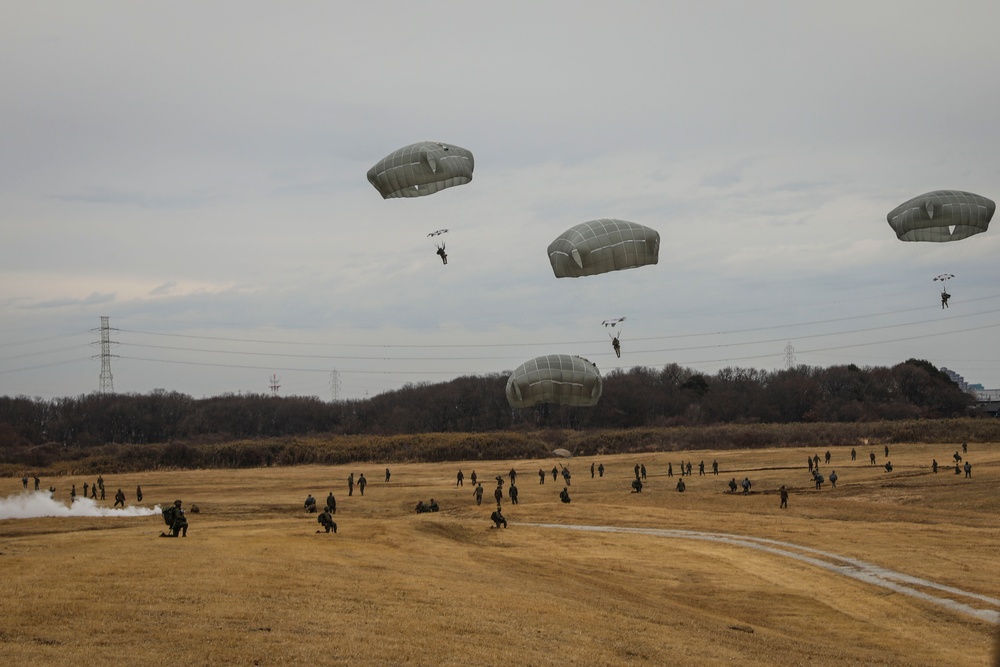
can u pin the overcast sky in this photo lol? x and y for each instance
(197, 173)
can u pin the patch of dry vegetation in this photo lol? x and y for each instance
(253, 584)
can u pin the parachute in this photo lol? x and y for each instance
(440, 246)
(941, 215)
(562, 453)
(599, 246)
(554, 378)
(944, 278)
(615, 340)
(421, 169)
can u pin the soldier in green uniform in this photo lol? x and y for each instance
(174, 517)
(498, 518)
(325, 519)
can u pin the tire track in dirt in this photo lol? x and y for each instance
(922, 589)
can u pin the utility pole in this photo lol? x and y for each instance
(275, 384)
(335, 386)
(789, 356)
(107, 385)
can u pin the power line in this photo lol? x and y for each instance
(695, 362)
(536, 344)
(503, 358)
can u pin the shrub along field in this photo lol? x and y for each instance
(254, 584)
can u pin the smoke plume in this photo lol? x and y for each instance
(38, 503)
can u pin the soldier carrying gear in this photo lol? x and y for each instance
(176, 521)
(325, 519)
(498, 518)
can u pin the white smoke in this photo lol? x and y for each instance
(39, 503)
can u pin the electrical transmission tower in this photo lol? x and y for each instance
(335, 385)
(275, 384)
(107, 385)
(789, 356)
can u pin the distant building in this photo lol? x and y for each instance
(988, 399)
(956, 378)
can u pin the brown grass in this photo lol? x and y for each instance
(253, 584)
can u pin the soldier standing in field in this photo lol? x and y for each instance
(478, 493)
(350, 484)
(460, 479)
(362, 482)
(331, 502)
(784, 497)
(541, 476)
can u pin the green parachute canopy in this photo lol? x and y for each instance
(421, 169)
(554, 378)
(942, 215)
(599, 246)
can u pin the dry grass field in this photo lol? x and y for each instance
(254, 584)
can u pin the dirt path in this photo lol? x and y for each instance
(923, 589)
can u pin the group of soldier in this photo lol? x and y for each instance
(95, 491)
(597, 470)
(173, 516)
(958, 462)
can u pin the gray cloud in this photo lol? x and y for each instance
(210, 180)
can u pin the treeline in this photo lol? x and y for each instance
(51, 459)
(640, 397)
